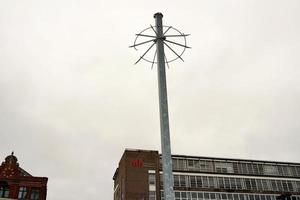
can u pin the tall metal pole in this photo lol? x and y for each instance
(163, 108)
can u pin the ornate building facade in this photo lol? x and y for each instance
(138, 177)
(16, 183)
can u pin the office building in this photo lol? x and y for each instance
(138, 177)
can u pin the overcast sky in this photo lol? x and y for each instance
(71, 99)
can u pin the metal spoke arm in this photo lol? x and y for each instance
(151, 36)
(167, 30)
(142, 43)
(173, 51)
(183, 35)
(153, 29)
(177, 44)
(145, 53)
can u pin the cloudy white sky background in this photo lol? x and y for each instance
(71, 99)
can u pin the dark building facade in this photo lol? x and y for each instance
(138, 177)
(16, 183)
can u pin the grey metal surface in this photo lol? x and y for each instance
(168, 182)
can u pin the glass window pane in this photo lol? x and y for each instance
(193, 181)
(22, 192)
(212, 196)
(224, 196)
(35, 194)
(199, 182)
(200, 195)
(4, 191)
(206, 196)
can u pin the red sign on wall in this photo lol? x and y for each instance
(137, 163)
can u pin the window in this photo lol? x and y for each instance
(242, 197)
(274, 185)
(200, 196)
(255, 168)
(193, 182)
(22, 193)
(284, 185)
(203, 166)
(152, 179)
(250, 168)
(196, 165)
(4, 191)
(218, 196)
(290, 186)
(297, 183)
(191, 164)
(152, 186)
(248, 184)
(221, 182)
(260, 169)
(259, 184)
(35, 194)
(253, 183)
(206, 196)
(293, 170)
(205, 182)
(223, 196)
(235, 168)
(182, 164)
(177, 195)
(223, 167)
(227, 184)
(279, 185)
(270, 170)
(265, 184)
(235, 197)
(174, 163)
(244, 169)
(182, 181)
(238, 183)
(152, 195)
(211, 182)
(161, 180)
(232, 183)
(297, 169)
(213, 196)
(194, 195)
(176, 180)
(199, 182)
(183, 195)
(257, 197)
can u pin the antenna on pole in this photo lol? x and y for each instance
(169, 38)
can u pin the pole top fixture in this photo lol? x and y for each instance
(158, 14)
(172, 39)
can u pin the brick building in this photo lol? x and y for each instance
(138, 177)
(16, 183)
